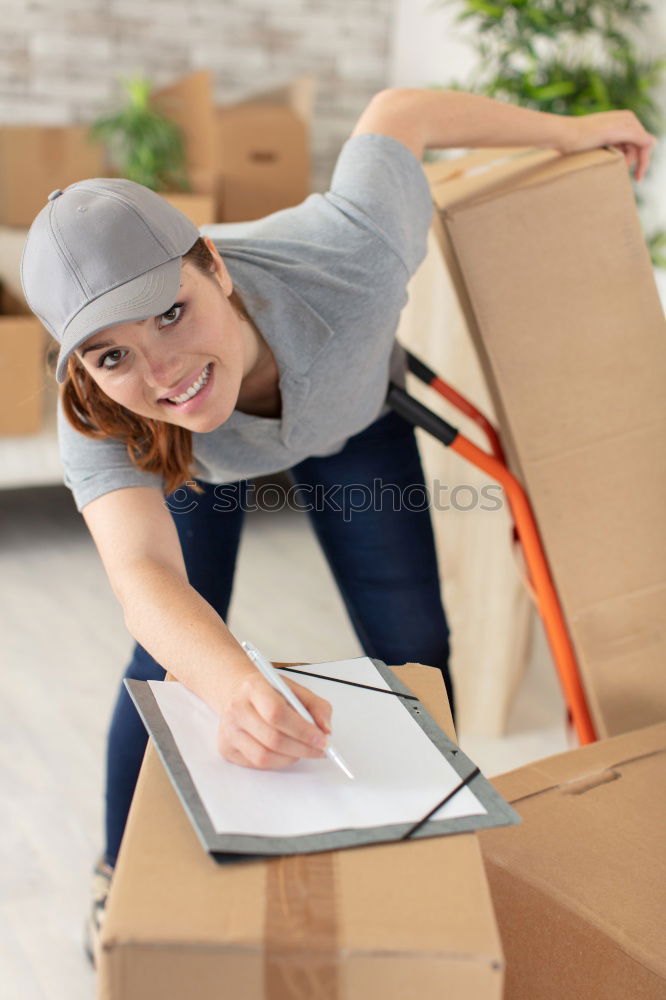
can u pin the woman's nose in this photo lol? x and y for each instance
(162, 371)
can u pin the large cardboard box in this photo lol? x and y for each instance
(253, 156)
(394, 921)
(35, 160)
(22, 367)
(580, 886)
(554, 277)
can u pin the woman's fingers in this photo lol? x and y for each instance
(246, 752)
(629, 152)
(612, 128)
(320, 709)
(278, 739)
(259, 728)
(634, 141)
(637, 157)
(643, 161)
(278, 715)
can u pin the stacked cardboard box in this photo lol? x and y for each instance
(394, 920)
(244, 160)
(22, 367)
(34, 160)
(579, 885)
(251, 157)
(555, 281)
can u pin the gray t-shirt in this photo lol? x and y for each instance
(324, 282)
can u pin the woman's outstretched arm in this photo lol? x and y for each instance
(139, 546)
(429, 119)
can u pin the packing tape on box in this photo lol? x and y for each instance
(300, 928)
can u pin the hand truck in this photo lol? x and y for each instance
(525, 530)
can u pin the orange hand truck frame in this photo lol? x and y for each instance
(493, 463)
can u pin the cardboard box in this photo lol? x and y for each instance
(579, 886)
(395, 920)
(553, 275)
(252, 156)
(264, 163)
(199, 208)
(189, 104)
(35, 160)
(22, 367)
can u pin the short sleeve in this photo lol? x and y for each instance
(381, 184)
(93, 468)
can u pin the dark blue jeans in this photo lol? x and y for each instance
(369, 509)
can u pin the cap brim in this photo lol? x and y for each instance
(148, 295)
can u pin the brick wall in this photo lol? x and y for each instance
(60, 60)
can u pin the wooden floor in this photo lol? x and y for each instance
(63, 650)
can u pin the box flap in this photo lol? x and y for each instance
(189, 104)
(580, 765)
(457, 180)
(475, 177)
(445, 167)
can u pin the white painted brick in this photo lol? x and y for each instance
(16, 112)
(130, 16)
(53, 44)
(248, 66)
(360, 66)
(53, 9)
(60, 60)
(86, 91)
(12, 44)
(16, 67)
(286, 7)
(134, 10)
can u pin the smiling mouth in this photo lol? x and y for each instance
(193, 390)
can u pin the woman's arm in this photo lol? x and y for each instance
(423, 119)
(139, 546)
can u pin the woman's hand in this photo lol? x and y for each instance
(258, 728)
(445, 119)
(610, 128)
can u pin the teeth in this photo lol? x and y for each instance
(193, 389)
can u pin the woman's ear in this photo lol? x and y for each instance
(219, 269)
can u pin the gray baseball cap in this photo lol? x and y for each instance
(102, 252)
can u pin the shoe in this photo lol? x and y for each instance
(101, 883)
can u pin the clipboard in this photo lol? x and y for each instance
(233, 847)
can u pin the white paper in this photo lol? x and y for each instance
(399, 774)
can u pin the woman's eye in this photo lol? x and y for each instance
(172, 315)
(112, 358)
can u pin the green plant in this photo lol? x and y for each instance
(568, 57)
(656, 243)
(143, 145)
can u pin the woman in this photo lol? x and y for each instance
(266, 347)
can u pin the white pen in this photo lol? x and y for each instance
(272, 676)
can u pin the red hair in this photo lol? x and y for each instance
(152, 445)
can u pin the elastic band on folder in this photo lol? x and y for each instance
(338, 680)
(447, 798)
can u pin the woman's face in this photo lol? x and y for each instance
(184, 367)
